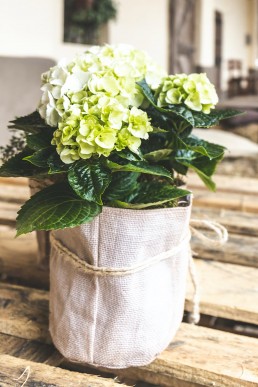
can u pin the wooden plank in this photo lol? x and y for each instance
(14, 193)
(226, 201)
(29, 350)
(203, 357)
(8, 213)
(226, 290)
(24, 312)
(25, 316)
(13, 370)
(233, 184)
(18, 259)
(239, 249)
(236, 222)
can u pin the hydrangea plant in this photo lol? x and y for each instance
(112, 128)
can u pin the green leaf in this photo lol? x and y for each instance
(205, 178)
(122, 185)
(202, 165)
(40, 157)
(128, 155)
(141, 167)
(56, 165)
(55, 207)
(40, 140)
(152, 194)
(31, 123)
(203, 120)
(158, 155)
(204, 147)
(18, 167)
(147, 91)
(89, 179)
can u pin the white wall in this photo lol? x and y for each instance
(238, 21)
(144, 24)
(35, 28)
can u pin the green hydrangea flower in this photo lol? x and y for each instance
(194, 90)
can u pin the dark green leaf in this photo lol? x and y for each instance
(202, 165)
(204, 147)
(89, 179)
(56, 165)
(31, 123)
(40, 140)
(40, 158)
(152, 194)
(141, 167)
(203, 120)
(17, 166)
(147, 91)
(122, 185)
(128, 155)
(55, 207)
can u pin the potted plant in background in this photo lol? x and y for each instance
(113, 131)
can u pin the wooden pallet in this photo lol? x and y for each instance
(200, 355)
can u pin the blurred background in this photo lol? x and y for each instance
(219, 37)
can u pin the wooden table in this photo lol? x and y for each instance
(221, 351)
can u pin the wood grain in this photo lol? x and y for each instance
(18, 259)
(226, 200)
(226, 290)
(24, 311)
(233, 184)
(29, 350)
(239, 249)
(236, 222)
(43, 375)
(203, 357)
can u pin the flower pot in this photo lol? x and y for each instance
(117, 285)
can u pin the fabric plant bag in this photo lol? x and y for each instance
(117, 285)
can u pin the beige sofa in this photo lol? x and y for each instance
(19, 88)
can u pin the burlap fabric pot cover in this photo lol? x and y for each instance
(118, 321)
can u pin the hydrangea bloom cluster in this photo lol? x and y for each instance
(194, 90)
(96, 102)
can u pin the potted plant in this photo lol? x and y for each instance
(113, 131)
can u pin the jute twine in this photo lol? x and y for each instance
(221, 237)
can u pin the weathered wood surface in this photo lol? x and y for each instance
(231, 361)
(233, 184)
(29, 350)
(236, 222)
(241, 250)
(14, 372)
(203, 357)
(24, 312)
(227, 201)
(226, 290)
(18, 259)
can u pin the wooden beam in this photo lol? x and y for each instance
(231, 184)
(226, 290)
(226, 201)
(29, 350)
(13, 370)
(18, 259)
(236, 222)
(239, 249)
(24, 314)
